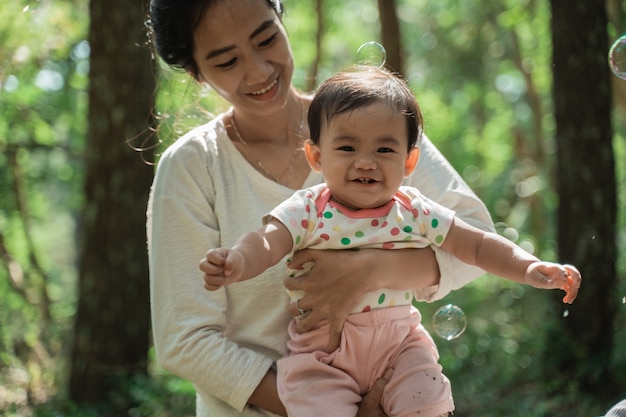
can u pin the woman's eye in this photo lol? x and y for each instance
(227, 64)
(268, 41)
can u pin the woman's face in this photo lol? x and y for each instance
(241, 49)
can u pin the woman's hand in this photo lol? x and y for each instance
(340, 279)
(333, 287)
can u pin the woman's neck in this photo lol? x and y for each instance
(282, 126)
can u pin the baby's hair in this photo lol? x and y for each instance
(361, 86)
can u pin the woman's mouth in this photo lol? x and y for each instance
(265, 90)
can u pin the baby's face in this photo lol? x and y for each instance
(363, 155)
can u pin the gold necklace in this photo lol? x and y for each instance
(256, 160)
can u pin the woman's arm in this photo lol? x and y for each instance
(189, 322)
(439, 181)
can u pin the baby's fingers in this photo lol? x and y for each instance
(214, 282)
(572, 285)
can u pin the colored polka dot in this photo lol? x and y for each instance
(307, 209)
(434, 223)
(384, 224)
(408, 238)
(407, 295)
(298, 240)
(439, 239)
(373, 239)
(375, 222)
(391, 303)
(381, 299)
(422, 229)
(293, 222)
(415, 212)
(388, 245)
(395, 231)
(325, 236)
(337, 229)
(407, 229)
(345, 241)
(359, 234)
(366, 309)
(304, 223)
(328, 215)
(426, 212)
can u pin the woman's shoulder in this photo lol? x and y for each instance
(204, 137)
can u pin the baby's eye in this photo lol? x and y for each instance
(268, 41)
(385, 150)
(227, 64)
(346, 148)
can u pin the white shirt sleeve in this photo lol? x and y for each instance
(439, 181)
(190, 324)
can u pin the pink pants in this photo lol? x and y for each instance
(314, 383)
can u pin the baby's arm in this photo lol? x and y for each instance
(499, 256)
(251, 254)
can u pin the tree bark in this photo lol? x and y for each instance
(390, 34)
(580, 349)
(112, 320)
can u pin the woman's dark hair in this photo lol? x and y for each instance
(361, 86)
(172, 23)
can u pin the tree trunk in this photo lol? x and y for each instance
(580, 350)
(390, 34)
(112, 320)
(311, 81)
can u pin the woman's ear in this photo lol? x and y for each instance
(313, 156)
(411, 161)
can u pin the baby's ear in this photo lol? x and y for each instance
(313, 156)
(411, 161)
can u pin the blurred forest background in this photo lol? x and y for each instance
(516, 93)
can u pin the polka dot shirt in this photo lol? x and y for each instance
(410, 220)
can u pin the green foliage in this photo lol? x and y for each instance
(43, 75)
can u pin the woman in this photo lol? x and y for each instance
(217, 181)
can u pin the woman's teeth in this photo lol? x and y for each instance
(266, 89)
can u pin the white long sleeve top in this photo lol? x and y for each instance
(205, 195)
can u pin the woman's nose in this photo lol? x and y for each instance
(258, 69)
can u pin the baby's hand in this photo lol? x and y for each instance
(549, 275)
(221, 266)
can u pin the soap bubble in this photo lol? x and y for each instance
(371, 53)
(617, 57)
(449, 322)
